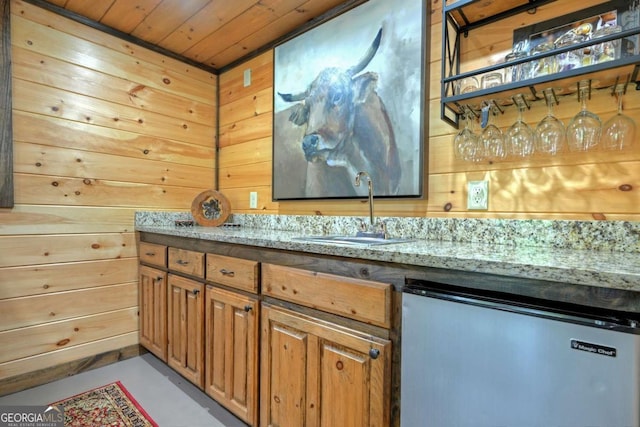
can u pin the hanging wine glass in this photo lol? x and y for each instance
(466, 141)
(492, 139)
(585, 129)
(620, 130)
(550, 132)
(519, 138)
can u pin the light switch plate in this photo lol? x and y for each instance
(253, 200)
(478, 195)
(247, 77)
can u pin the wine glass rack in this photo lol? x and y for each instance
(462, 17)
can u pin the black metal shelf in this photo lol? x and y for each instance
(465, 15)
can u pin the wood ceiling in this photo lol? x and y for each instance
(215, 33)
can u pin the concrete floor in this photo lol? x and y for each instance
(168, 398)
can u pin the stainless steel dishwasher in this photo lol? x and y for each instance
(472, 360)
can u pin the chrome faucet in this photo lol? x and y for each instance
(371, 230)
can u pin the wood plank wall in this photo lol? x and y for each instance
(102, 128)
(599, 185)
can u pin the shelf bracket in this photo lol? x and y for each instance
(550, 97)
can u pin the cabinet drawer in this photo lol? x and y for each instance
(358, 299)
(235, 272)
(151, 253)
(188, 262)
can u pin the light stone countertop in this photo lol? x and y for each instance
(609, 269)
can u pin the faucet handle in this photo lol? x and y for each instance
(382, 228)
(361, 225)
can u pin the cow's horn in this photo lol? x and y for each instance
(368, 56)
(287, 97)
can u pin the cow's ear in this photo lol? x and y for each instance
(363, 86)
(299, 114)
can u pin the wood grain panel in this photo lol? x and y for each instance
(53, 102)
(255, 151)
(38, 219)
(49, 278)
(38, 309)
(165, 17)
(83, 136)
(53, 161)
(89, 192)
(48, 249)
(65, 355)
(232, 82)
(32, 340)
(41, 69)
(122, 16)
(200, 25)
(254, 127)
(594, 188)
(79, 50)
(253, 175)
(261, 102)
(43, 17)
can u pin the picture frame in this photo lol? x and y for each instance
(349, 97)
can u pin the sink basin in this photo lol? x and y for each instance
(352, 240)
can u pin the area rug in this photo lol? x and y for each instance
(108, 406)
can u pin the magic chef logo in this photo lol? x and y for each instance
(593, 348)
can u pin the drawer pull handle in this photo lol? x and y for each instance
(150, 253)
(374, 353)
(247, 308)
(181, 262)
(226, 272)
(195, 291)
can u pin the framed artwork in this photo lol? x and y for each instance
(349, 98)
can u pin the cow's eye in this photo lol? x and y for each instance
(336, 97)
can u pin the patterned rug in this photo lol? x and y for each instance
(108, 406)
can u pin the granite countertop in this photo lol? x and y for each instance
(601, 268)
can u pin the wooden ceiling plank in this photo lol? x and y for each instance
(126, 15)
(166, 17)
(273, 31)
(231, 33)
(94, 9)
(208, 20)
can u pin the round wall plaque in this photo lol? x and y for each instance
(210, 208)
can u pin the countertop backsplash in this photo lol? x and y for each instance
(617, 236)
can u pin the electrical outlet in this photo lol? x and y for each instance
(478, 195)
(247, 77)
(253, 200)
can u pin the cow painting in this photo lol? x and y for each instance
(344, 128)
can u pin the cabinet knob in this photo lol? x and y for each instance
(374, 353)
(226, 272)
(247, 308)
(195, 291)
(159, 279)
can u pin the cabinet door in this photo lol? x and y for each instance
(185, 328)
(317, 374)
(231, 357)
(153, 310)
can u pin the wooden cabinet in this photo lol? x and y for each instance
(231, 355)
(153, 298)
(185, 308)
(315, 373)
(153, 310)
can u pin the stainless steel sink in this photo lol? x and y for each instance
(352, 240)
